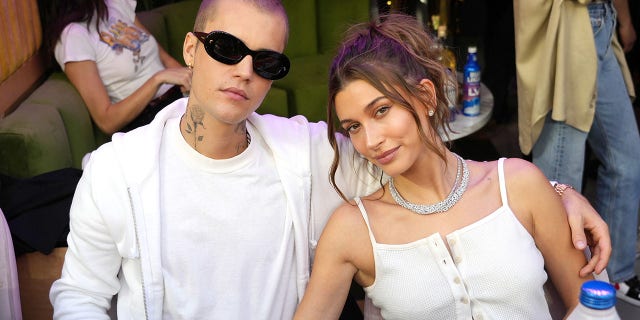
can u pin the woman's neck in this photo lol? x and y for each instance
(430, 180)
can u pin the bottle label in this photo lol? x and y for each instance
(471, 107)
(473, 77)
(471, 94)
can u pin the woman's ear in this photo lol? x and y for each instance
(427, 86)
(189, 48)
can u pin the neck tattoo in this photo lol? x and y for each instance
(191, 126)
(242, 146)
(459, 187)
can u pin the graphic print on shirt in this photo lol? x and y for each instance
(123, 36)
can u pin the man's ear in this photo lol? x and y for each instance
(189, 48)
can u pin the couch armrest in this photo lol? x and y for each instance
(34, 141)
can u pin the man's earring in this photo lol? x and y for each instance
(190, 66)
(431, 112)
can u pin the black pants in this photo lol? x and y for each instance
(37, 209)
(153, 108)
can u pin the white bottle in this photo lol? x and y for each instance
(597, 301)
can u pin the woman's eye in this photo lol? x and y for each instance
(382, 110)
(352, 128)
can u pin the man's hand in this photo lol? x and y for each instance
(583, 217)
(626, 32)
(627, 36)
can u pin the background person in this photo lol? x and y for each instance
(574, 88)
(122, 74)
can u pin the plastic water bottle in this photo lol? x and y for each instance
(471, 84)
(597, 301)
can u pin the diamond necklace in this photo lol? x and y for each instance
(460, 185)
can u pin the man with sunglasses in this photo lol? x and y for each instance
(213, 211)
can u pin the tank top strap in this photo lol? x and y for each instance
(366, 218)
(501, 179)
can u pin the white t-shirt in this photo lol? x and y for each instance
(227, 247)
(126, 56)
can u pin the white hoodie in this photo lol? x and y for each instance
(114, 239)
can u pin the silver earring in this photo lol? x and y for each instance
(431, 112)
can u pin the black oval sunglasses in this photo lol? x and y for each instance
(227, 49)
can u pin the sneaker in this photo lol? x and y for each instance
(629, 291)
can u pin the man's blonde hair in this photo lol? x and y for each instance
(207, 12)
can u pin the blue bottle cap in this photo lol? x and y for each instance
(598, 295)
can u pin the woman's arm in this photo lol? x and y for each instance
(332, 270)
(112, 117)
(543, 214)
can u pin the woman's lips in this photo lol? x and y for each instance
(386, 156)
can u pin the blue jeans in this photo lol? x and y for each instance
(615, 141)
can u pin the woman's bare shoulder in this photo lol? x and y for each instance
(346, 215)
(523, 171)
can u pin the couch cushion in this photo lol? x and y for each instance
(306, 86)
(34, 141)
(303, 33)
(275, 103)
(154, 22)
(60, 94)
(179, 19)
(335, 16)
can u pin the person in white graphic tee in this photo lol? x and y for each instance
(123, 75)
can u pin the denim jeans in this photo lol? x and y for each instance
(614, 140)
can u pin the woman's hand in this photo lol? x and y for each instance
(179, 76)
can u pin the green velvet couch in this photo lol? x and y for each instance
(51, 129)
(316, 27)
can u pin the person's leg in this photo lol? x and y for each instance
(615, 141)
(559, 152)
